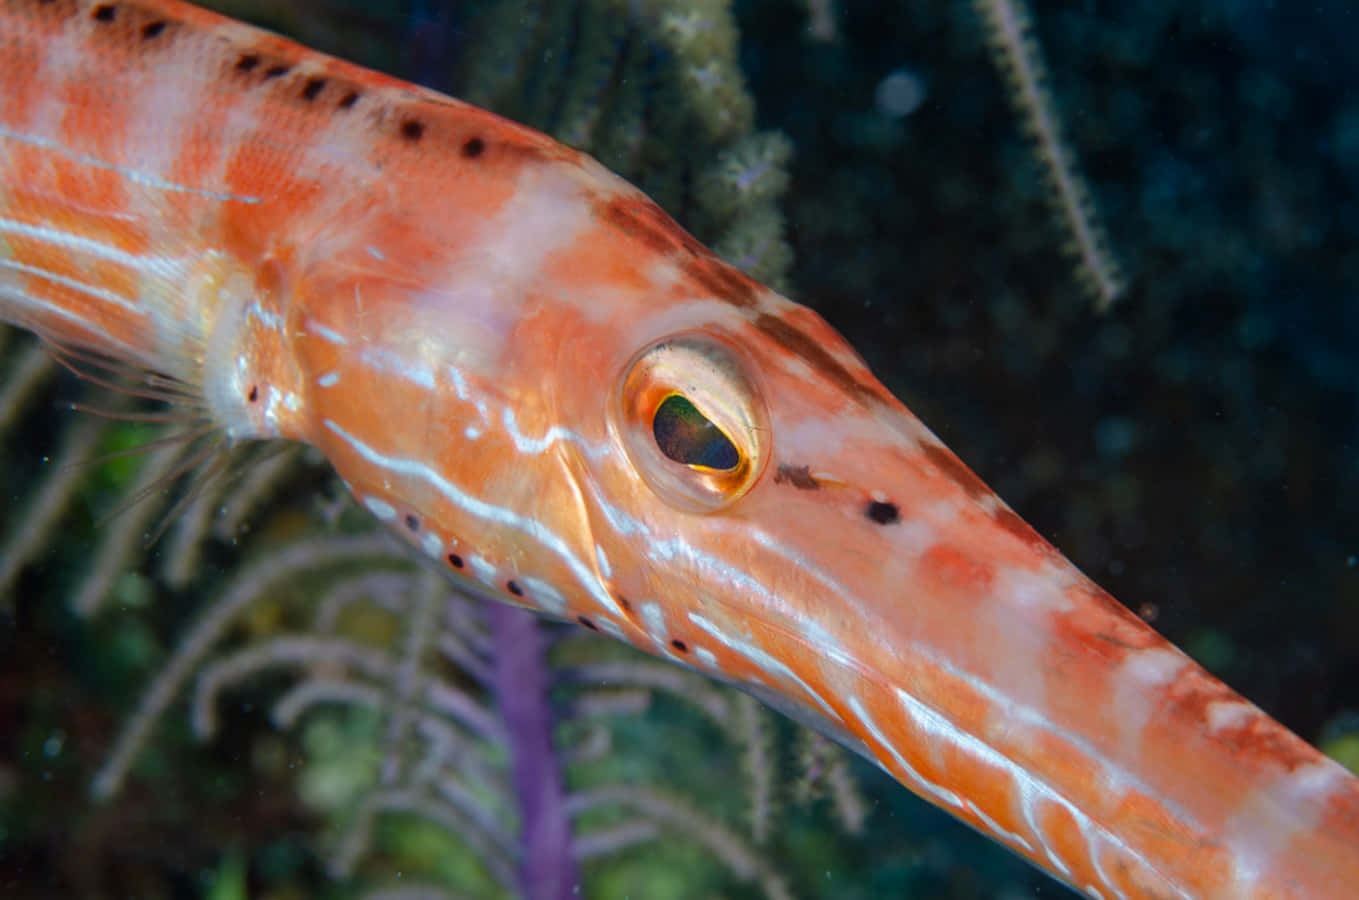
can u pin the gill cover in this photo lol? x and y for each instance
(693, 422)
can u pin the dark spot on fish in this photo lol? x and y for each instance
(952, 468)
(514, 588)
(813, 354)
(799, 477)
(278, 70)
(254, 393)
(247, 63)
(882, 513)
(152, 30)
(313, 88)
(473, 147)
(412, 129)
(626, 604)
(722, 281)
(680, 645)
(455, 561)
(587, 623)
(1009, 521)
(104, 12)
(348, 100)
(412, 523)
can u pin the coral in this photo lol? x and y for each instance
(416, 701)
(1010, 36)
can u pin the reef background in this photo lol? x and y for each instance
(1193, 448)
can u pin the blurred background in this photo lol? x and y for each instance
(1172, 402)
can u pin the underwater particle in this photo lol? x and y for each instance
(821, 22)
(1115, 436)
(51, 748)
(899, 94)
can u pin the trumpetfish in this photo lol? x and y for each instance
(522, 364)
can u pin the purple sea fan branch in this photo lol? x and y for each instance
(548, 868)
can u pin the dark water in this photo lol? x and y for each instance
(1192, 448)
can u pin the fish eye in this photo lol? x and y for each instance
(692, 422)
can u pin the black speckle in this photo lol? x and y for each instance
(882, 513)
(104, 12)
(313, 88)
(455, 560)
(473, 148)
(412, 129)
(152, 30)
(254, 394)
(247, 63)
(412, 522)
(626, 604)
(514, 588)
(680, 645)
(799, 477)
(587, 623)
(348, 100)
(278, 70)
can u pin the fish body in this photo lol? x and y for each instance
(523, 365)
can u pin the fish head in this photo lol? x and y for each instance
(767, 512)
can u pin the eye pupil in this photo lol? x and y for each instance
(687, 436)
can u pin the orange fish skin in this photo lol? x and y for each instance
(480, 328)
